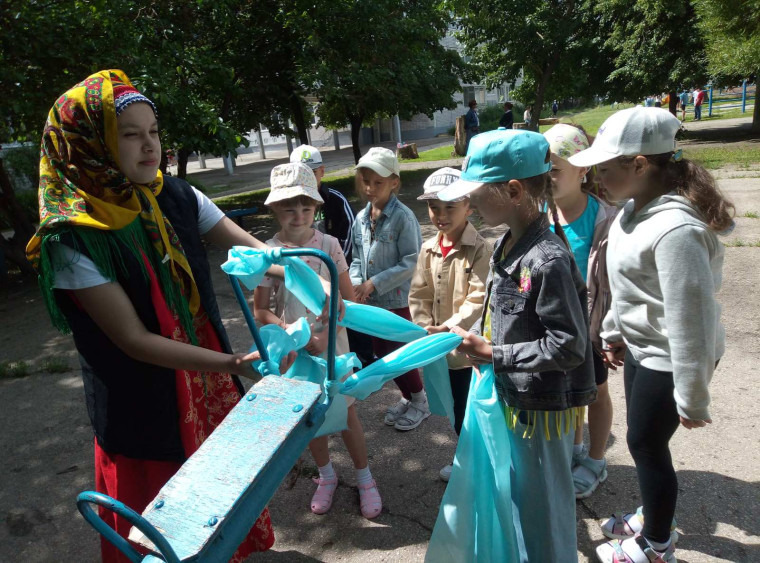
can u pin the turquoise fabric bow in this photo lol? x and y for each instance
(422, 351)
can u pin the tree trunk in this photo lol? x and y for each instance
(299, 119)
(14, 248)
(356, 127)
(756, 113)
(164, 162)
(673, 103)
(543, 81)
(182, 155)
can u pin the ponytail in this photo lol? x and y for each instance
(690, 180)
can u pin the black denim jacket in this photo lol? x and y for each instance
(542, 354)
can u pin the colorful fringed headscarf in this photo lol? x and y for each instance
(82, 188)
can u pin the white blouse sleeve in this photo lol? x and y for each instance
(208, 213)
(73, 270)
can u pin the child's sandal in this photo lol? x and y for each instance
(634, 550)
(583, 486)
(622, 526)
(322, 500)
(369, 500)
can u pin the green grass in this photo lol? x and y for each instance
(589, 119)
(344, 183)
(245, 199)
(14, 369)
(56, 365)
(592, 119)
(739, 243)
(441, 153)
(751, 215)
(737, 154)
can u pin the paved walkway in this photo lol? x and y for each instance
(252, 173)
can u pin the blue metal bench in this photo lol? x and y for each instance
(206, 510)
(238, 214)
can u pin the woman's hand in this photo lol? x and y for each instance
(614, 354)
(240, 364)
(363, 291)
(477, 350)
(433, 329)
(690, 424)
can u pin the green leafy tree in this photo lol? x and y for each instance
(36, 66)
(732, 32)
(657, 47)
(550, 44)
(365, 59)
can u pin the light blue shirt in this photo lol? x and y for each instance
(580, 235)
(390, 257)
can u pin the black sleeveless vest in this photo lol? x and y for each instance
(133, 405)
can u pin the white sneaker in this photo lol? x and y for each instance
(413, 417)
(393, 413)
(445, 473)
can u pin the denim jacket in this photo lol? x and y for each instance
(542, 354)
(390, 258)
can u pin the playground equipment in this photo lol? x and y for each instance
(206, 510)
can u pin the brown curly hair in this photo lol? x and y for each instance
(692, 181)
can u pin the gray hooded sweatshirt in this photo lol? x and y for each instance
(664, 267)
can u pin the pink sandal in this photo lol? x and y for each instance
(322, 500)
(369, 500)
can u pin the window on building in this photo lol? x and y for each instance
(477, 93)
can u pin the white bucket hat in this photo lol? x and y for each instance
(437, 181)
(631, 132)
(292, 180)
(381, 160)
(307, 154)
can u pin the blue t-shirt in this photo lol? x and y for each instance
(580, 235)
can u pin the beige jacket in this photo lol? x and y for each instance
(451, 292)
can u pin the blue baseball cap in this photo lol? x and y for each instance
(500, 156)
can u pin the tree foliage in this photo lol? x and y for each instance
(732, 32)
(365, 59)
(550, 44)
(656, 46)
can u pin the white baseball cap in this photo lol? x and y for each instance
(307, 154)
(292, 180)
(437, 181)
(381, 160)
(631, 132)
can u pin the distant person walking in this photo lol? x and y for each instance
(684, 99)
(471, 121)
(699, 97)
(555, 108)
(507, 120)
(527, 114)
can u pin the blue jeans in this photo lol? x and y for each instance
(698, 112)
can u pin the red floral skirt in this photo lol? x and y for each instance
(203, 400)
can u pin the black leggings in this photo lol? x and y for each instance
(460, 388)
(652, 421)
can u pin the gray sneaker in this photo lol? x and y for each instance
(393, 413)
(413, 417)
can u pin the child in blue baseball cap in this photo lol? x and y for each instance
(531, 354)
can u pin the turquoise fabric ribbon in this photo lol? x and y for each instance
(422, 350)
(475, 522)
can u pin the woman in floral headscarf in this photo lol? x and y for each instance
(122, 267)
